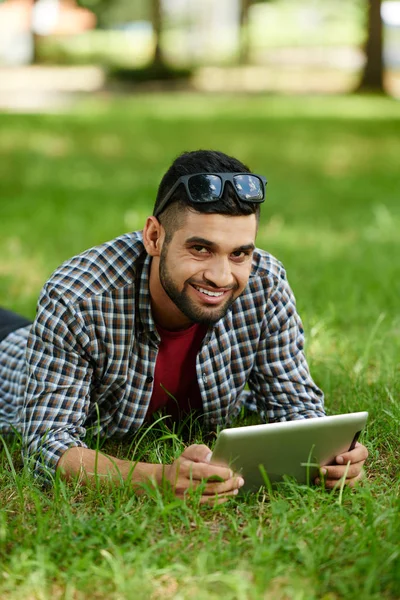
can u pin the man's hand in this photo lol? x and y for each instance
(193, 469)
(189, 471)
(332, 474)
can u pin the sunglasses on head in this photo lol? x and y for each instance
(209, 187)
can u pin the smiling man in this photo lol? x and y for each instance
(179, 317)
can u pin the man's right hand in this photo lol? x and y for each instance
(189, 471)
(193, 469)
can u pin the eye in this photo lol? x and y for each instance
(241, 255)
(200, 249)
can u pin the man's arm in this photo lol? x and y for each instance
(59, 379)
(284, 387)
(280, 379)
(190, 470)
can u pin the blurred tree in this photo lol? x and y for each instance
(112, 13)
(244, 52)
(156, 21)
(372, 77)
(35, 40)
(100, 8)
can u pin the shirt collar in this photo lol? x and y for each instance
(145, 316)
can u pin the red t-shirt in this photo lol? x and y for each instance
(175, 372)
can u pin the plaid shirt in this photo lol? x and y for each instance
(92, 350)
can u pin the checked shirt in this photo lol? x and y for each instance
(92, 349)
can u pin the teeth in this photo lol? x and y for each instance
(208, 293)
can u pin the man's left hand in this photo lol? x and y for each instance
(332, 474)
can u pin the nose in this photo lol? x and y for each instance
(219, 273)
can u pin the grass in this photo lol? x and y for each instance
(333, 217)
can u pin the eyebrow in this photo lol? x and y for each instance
(204, 242)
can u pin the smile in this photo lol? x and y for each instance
(208, 292)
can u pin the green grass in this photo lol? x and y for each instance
(333, 218)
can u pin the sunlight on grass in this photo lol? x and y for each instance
(48, 144)
(324, 240)
(185, 105)
(108, 145)
(385, 226)
(134, 219)
(324, 345)
(295, 588)
(24, 274)
(367, 362)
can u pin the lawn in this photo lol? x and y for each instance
(68, 182)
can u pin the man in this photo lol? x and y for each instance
(187, 309)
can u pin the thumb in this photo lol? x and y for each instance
(197, 453)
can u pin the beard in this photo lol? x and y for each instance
(181, 299)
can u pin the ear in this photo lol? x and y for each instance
(153, 236)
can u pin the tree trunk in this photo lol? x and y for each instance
(244, 51)
(35, 40)
(372, 77)
(156, 21)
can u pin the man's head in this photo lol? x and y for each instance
(202, 251)
(192, 163)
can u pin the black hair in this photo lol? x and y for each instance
(201, 161)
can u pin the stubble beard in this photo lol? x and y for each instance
(181, 299)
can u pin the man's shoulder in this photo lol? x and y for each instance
(99, 270)
(266, 266)
(266, 278)
(266, 288)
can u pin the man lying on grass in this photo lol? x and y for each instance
(188, 309)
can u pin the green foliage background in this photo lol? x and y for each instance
(117, 11)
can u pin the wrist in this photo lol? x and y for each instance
(158, 473)
(147, 472)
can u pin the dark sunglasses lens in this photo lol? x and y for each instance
(205, 188)
(249, 188)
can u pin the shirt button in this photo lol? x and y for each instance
(205, 377)
(149, 379)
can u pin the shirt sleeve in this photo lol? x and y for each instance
(59, 374)
(280, 382)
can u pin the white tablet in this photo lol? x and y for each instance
(293, 448)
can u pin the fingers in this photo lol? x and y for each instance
(359, 454)
(331, 484)
(193, 470)
(200, 474)
(232, 486)
(186, 475)
(220, 462)
(201, 471)
(201, 454)
(197, 453)
(337, 471)
(348, 464)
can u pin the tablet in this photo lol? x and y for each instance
(292, 448)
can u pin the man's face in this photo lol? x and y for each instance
(207, 263)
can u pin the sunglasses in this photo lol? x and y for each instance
(209, 187)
